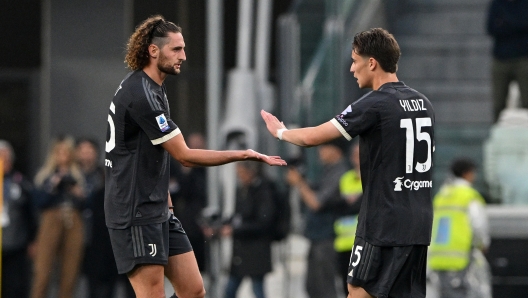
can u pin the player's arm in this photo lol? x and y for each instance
(306, 137)
(177, 147)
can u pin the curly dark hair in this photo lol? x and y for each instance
(153, 30)
(379, 44)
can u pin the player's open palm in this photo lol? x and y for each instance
(270, 160)
(272, 123)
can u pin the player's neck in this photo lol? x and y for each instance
(383, 78)
(155, 74)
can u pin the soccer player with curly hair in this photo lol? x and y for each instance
(148, 241)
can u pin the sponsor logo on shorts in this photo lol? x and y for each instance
(410, 184)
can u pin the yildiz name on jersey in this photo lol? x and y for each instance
(412, 105)
(399, 184)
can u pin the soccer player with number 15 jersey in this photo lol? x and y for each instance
(395, 126)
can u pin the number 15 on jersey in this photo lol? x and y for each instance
(409, 144)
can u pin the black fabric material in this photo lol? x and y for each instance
(384, 271)
(136, 171)
(395, 125)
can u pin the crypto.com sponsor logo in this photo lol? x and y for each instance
(409, 184)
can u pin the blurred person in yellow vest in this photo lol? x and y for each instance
(460, 236)
(351, 190)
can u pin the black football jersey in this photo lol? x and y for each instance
(395, 125)
(136, 165)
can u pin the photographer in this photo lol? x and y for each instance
(59, 198)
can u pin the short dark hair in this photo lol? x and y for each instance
(379, 44)
(462, 166)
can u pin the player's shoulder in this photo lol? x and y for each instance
(136, 86)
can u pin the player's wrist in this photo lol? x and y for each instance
(280, 131)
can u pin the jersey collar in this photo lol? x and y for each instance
(391, 85)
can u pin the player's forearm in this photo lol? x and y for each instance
(311, 136)
(205, 158)
(304, 137)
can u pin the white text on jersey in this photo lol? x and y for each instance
(108, 163)
(409, 184)
(412, 105)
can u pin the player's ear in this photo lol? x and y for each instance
(153, 50)
(372, 63)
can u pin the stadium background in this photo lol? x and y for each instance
(61, 61)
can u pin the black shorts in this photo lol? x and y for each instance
(148, 244)
(388, 271)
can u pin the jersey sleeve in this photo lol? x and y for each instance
(152, 115)
(357, 118)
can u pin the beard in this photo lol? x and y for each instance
(165, 66)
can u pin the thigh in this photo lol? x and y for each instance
(140, 245)
(147, 281)
(48, 239)
(183, 273)
(182, 269)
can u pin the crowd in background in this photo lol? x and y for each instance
(54, 229)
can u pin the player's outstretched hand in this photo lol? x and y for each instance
(270, 160)
(272, 123)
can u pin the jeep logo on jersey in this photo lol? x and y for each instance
(162, 122)
(409, 184)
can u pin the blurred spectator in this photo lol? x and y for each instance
(87, 155)
(508, 25)
(251, 229)
(320, 216)
(345, 227)
(187, 188)
(460, 236)
(60, 196)
(18, 227)
(99, 263)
